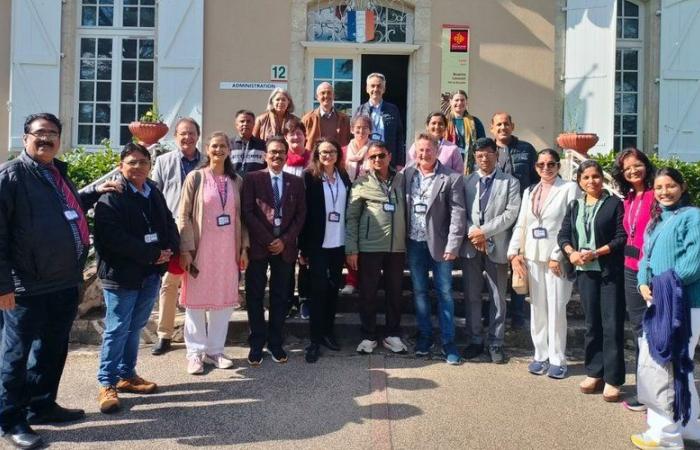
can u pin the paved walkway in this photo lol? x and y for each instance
(345, 401)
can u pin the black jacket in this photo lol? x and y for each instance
(124, 258)
(311, 237)
(37, 250)
(521, 163)
(394, 134)
(609, 229)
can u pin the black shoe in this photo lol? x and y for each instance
(278, 355)
(330, 343)
(22, 436)
(162, 347)
(255, 358)
(497, 355)
(472, 351)
(56, 414)
(312, 353)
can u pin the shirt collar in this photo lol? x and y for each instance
(146, 189)
(273, 174)
(197, 155)
(323, 112)
(487, 176)
(377, 106)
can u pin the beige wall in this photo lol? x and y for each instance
(5, 23)
(241, 42)
(511, 65)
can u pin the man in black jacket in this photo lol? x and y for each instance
(44, 241)
(135, 236)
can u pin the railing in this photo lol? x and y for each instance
(572, 159)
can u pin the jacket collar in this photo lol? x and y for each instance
(28, 160)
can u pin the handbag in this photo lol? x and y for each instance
(520, 284)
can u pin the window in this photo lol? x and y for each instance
(628, 75)
(338, 72)
(116, 68)
(370, 21)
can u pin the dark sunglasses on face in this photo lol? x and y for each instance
(377, 156)
(549, 165)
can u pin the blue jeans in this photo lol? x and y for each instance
(419, 263)
(33, 351)
(127, 313)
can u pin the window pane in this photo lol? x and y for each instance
(85, 113)
(142, 109)
(129, 70)
(618, 83)
(617, 124)
(146, 48)
(89, 2)
(343, 91)
(87, 69)
(129, 48)
(102, 113)
(619, 28)
(631, 30)
(148, 17)
(629, 124)
(101, 133)
(131, 2)
(630, 141)
(104, 91)
(128, 92)
(146, 70)
(89, 16)
(128, 113)
(131, 16)
(106, 16)
(104, 48)
(618, 58)
(343, 69)
(146, 92)
(148, 2)
(87, 91)
(629, 82)
(124, 135)
(323, 68)
(85, 134)
(344, 108)
(631, 10)
(104, 70)
(629, 103)
(396, 33)
(631, 60)
(107, 2)
(87, 48)
(618, 103)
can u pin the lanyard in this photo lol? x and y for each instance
(386, 187)
(428, 185)
(632, 218)
(223, 193)
(588, 218)
(334, 195)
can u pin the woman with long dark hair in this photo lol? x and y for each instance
(593, 238)
(634, 174)
(322, 241)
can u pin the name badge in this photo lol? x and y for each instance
(334, 216)
(277, 222)
(389, 207)
(223, 220)
(71, 214)
(150, 238)
(420, 208)
(539, 233)
(276, 231)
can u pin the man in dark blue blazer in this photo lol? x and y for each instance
(386, 120)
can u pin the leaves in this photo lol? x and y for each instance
(85, 167)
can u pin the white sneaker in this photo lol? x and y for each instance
(394, 344)
(348, 290)
(220, 361)
(366, 347)
(195, 365)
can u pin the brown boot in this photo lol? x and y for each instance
(108, 399)
(591, 385)
(136, 385)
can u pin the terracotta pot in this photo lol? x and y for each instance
(581, 142)
(148, 133)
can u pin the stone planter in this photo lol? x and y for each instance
(148, 133)
(581, 142)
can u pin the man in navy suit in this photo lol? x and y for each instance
(386, 120)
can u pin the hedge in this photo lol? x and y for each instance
(85, 167)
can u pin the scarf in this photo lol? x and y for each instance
(469, 139)
(354, 159)
(297, 160)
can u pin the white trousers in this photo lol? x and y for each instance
(662, 428)
(549, 295)
(205, 331)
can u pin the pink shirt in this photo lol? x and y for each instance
(637, 216)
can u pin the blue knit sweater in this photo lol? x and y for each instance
(674, 244)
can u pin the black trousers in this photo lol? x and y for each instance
(604, 307)
(325, 270)
(302, 282)
(33, 350)
(636, 307)
(371, 266)
(255, 282)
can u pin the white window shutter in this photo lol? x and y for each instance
(180, 46)
(36, 58)
(589, 85)
(679, 93)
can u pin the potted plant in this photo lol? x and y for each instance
(575, 139)
(149, 128)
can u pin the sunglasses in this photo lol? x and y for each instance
(377, 156)
(549, 165)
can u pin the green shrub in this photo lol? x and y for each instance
(690, 170)
(85, 167)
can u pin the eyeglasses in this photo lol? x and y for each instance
(328, 153)
(549, 165)
(376, 156)
(277, 152)
(44, 134)
(138, 162)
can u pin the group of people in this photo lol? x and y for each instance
(327, 192)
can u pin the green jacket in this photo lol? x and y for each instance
(369, 228)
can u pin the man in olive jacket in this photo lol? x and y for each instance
(375, 244)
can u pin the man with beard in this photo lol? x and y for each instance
(247, 151)
(44, 241)
(274, 207)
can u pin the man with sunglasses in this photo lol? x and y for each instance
(44, 241)
(375, 245)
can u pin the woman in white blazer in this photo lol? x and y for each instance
(534, 249)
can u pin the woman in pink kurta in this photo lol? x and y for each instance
(212, 255)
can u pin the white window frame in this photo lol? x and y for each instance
(636, 44)
(112, 33)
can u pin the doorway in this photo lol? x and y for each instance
(395, 69)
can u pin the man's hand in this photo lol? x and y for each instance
(645, 290)
(185, 261)
(447, 256)
(477, 238)
(276, 247)
(164, 256)
(576, 259)
(518, 265)
(110, 186)
(555, 267)
(351, 261)
(7, 301)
